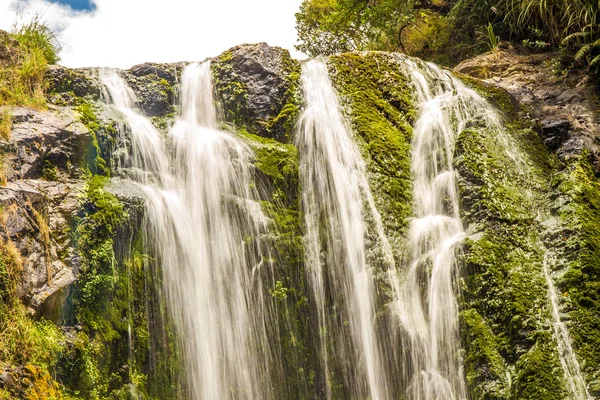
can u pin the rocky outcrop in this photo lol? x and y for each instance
(44, 144)
(563, 103)
(255, 85)
(67, 84)
(154, 86)
(43, 159)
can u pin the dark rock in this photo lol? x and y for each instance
(168, 72)
(153, 85)
(252, 84)
(80, 82)
(555, 132)
(6, 379)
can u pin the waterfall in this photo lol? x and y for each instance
(568, 360)
(427, 296)
(206, 230)
(336, 199)
(204, 223)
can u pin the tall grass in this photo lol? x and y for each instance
(22, 79)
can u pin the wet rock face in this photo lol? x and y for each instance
(253, 84)
(154, 87)
(563, 107)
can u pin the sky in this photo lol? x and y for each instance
(123, 33)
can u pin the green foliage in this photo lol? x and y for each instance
(445, 30)
(488, 36)
(337, 26)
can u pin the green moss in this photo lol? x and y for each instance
(497, 96)
(103, 137)
(278, 166)
(378, 100)
(578, 207)
(538, 372)
(486, 372)
(231, 92)
(504, 285)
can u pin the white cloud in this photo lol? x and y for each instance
(122, 33)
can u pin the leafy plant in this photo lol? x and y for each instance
(488, 36)
(588, 43)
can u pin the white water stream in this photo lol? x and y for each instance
(200, 211)
(427, 298)
(335, 198)
(568, 360)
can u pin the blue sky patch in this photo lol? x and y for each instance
(77, 5)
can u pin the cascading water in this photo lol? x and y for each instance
(205, 225)
(568, 360)
(336, 198)
(427, 297)
(201, 211)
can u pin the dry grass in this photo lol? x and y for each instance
(5, 124)
(22, 78)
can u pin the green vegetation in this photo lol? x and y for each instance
(505, 311)
(103, 139)
(22, 339)
(29, 50)
(578, 205)
(446, 30)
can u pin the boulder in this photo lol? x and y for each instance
(153, 85)
(44, 143)
(79, 82)
(253, 83)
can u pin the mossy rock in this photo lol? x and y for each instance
(377, 100)
(256, 86)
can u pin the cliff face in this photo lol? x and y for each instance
(74, 257)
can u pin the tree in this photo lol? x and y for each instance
(334, 26)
